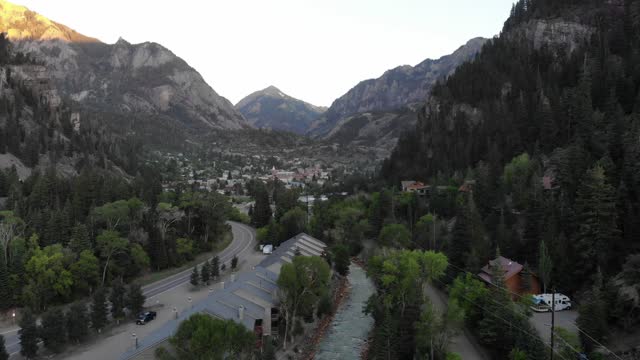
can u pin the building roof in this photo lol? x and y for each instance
(255, 292)
(509, 267)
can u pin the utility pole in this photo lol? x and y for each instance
(553, 319)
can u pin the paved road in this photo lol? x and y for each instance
(241, 245)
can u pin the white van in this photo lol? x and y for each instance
(542, 302)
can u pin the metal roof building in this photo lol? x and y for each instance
(250, 298)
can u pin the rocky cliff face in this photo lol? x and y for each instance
(272, 109)
(145, 79)
(395, 89)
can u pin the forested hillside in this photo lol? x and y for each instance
(543, 129)
(42, 130)
(88, 214)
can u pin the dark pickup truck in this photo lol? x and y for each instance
(146, 317)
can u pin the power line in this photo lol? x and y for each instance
(522, 297)
(508, 322)
(518, 311)
(595, 341)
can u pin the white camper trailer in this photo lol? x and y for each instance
(542, 302)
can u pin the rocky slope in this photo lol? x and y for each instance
(272, 109)
(395, 89)
(145, 80)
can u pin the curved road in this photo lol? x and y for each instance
(242, 244)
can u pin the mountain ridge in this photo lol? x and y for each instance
(395, 88)
(270, 108)
(146, 80)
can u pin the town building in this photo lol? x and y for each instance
(249, 298)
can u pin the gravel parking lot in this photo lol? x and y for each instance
(565, 319)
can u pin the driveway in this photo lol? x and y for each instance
(564, 319)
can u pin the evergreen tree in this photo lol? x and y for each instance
(262, 209)
(545, 266)
(215, 267)
(385, 342)
(77, 322)
(117, 299)
(6, 293)
(79, 239)
(4, 355)
(205, 273)
(28, 334)
(195, 276)
(99, 310)
(597, 218)
(135, 299)
(53, 330)
(592, 316)
(460, 243)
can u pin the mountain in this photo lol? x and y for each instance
(40, 130)
(395, 89)
(272, 109)
(145, 80)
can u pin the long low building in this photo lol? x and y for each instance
(249, 298)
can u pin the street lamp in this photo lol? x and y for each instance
(175, 311)
(13, 316)
(190, 304)
(135, 338)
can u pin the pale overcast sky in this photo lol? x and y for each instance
(314, 50)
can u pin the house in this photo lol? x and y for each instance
(415, 187)
(249, 298)
(517, 281)
(467, 187)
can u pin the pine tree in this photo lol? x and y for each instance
(4, 355)
(135, 299)
(262, 209)
(77, 322)
(195, 276)
(99, 310)
(460, 243)
(215, 267)
(592, 318)
(28, 334)
(597, 218)
(117, 299)
(205, 273)
(545, 266)
(385, 342)
(53, 330)
(6, 294)
(79, 239)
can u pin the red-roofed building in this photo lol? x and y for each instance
(516, 279)
(416, 187)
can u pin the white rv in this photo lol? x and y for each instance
(542, 302)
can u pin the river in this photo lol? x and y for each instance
(350, 327)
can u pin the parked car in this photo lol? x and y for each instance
(146, 317)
